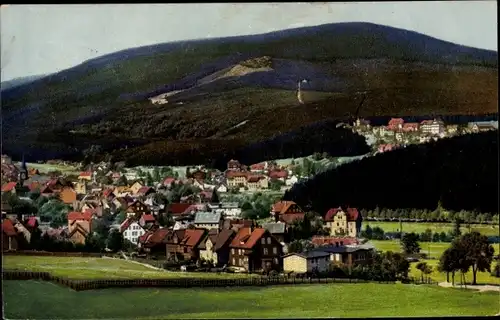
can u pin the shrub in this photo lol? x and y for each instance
(496, 271)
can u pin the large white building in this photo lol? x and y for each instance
(433, 127)
(131, 231)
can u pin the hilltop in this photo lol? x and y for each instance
(230, 93)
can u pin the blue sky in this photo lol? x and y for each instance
(41, 39)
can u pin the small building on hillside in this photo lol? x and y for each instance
(432, 127)
(306, 262)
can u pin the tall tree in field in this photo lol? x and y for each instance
(409, 243)
(449, 263)
(424, 269)
(478, 252)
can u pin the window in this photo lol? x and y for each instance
(263, 240)
(275, 250)
(185, 249)
(268, 240)
(126, 233)
(275, 260)
(134, 233)
(232, 251)
(240, 252)
(338, 224)
(234, 261)
(265, 251)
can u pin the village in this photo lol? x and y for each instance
(196, 218)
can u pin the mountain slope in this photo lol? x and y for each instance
(105, 99)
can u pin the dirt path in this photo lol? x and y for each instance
(143, 264)
(481, 288)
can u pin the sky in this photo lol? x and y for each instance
(42, 39)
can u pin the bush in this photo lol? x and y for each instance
(496, 271)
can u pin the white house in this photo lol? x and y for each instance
(131, 230)
(291, 181)
(222, 188)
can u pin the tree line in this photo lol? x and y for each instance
(460, 172)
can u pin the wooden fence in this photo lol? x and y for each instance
(80, 285)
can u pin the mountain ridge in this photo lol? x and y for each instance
(403, 73)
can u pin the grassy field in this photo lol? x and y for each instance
(98, 268)
(418, 227)
(45, 168)
(22, 300)
(436, 249)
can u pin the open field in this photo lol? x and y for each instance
(99, 268)
(436, 249)
(24, 298)
(45, 168)
(420, 227)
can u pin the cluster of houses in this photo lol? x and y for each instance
(258, 176)
(204, 229)
(403, 133)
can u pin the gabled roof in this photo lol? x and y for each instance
(74, 216)
(331, 213)
(276, 174)
(192, 237)
(86, 174)
(78, 228)
(32, 222)
(352, 214)
(308, 254)
(148, 218)
(8, 228)
(282, 207)
(158, 236)
(218, 239)
(178, 208)
(144, 190)
(246, 238)
(207, 217)
(254, 178)
(395, 121)
(289, 218)
(168, 180)
(8, 186)
(234, 174)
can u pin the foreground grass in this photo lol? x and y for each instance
(436, 249)
(22, 300)
(99, 268)
(420, 227)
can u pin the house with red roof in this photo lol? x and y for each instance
(9, 187)
(153, 242)
(132, 230)
(255, 249)
(182, 244)
(86, 175)
(79, 226)
(178, 209)
(236, 179)
(169, 181)
(145, 191)
(395, 124)
(411, 127)
(334, 241)
(342, 222)
(257, 182)
(137, 209)
(214, 248)
(287, 211)
(234, 165)
(259, 167)
(10, 236)
(278, 175)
